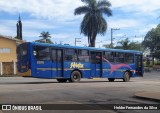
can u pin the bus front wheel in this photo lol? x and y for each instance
(111, 79)
(126, 77)
(75, 76)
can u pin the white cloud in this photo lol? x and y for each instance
(123, 23)
(61, 36)
(30, 27)
(50, 9)
(57, 16)
(145, 7)
(147, 28)
(7, 31)
(7, 28)
(120, 35)
(38, 24)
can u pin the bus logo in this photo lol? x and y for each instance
(76, 65)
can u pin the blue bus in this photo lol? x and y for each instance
(64, 62)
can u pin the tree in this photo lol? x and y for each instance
(45, 37)
(93, 22)
(135, 46)
(152, 42)
(124, 44)
(107, 46)
(127, 45)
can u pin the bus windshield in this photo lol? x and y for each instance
(22, 50)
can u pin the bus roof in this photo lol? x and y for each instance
(87, 48)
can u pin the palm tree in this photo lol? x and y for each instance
(45, 35)
(124, 43)
(45, 38)
(93, 22)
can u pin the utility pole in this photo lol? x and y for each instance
(77, 40)
(113, 29)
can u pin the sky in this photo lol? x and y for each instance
(133, 18)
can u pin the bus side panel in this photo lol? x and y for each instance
(119, 73)
(42, 69)
(84, 68)
(67, 69)
(106, 70)
(133, 66)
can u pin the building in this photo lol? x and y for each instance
(8, 57)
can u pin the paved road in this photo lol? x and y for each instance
(19, 90)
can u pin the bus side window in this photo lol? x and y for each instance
(120, 57)
(41, 53)
(71, 55)
(129, 58)
(59, 56)
(98, 58)
(53, 54)
(109, 56)
(83, 55)
(93, 57)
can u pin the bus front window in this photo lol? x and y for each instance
(22, 50)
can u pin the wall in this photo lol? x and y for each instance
(6, 59)
(8, 43)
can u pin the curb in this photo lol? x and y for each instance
(10, 76)
(155, 96)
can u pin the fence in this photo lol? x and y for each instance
(8, 68)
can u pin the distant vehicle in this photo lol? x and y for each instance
(72, 63)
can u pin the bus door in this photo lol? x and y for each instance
(57, 63)
(96, 64)
(42, 64)
(139, 65)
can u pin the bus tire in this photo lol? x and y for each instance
(62, 80)
(111, 79)
(126, 77)
(75, 76)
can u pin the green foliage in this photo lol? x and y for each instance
(152, 41)
(93, 22)
(127, 45)
(45, 35)
(124, 44)
(45, 38)
(107, 46)
(147, 62)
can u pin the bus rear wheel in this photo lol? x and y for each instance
(126, 77)
(62, 80)
(111, 79)
(75, 76)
